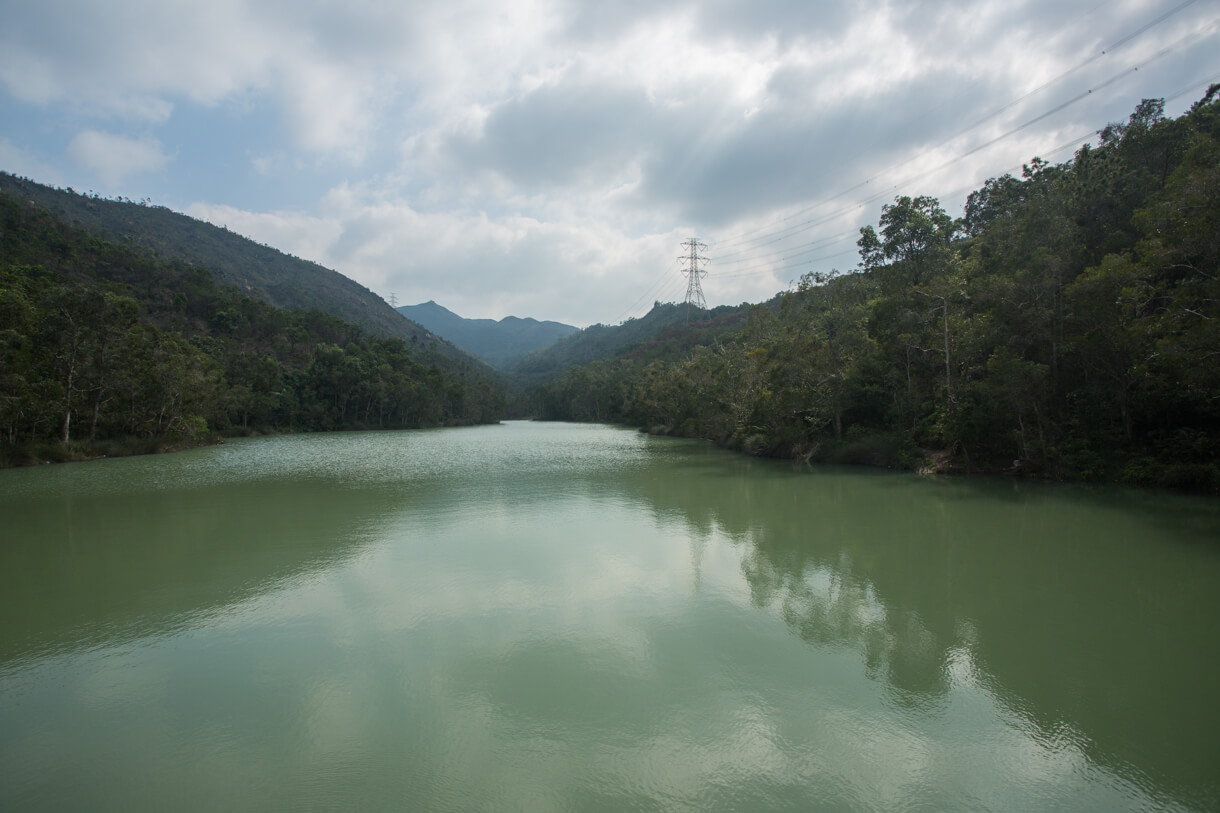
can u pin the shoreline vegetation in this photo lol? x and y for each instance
(48, 451)
(45, 452)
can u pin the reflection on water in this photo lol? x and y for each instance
(536, 616)
(1087, 612)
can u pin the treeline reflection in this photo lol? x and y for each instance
(83, 570)
(1087, 610)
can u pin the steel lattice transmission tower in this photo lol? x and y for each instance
(694, 272)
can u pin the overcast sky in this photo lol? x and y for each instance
(546, 158)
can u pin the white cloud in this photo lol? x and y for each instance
(529, 155)
(295, 233)
(332, 111)
(114, 157)
(106, 55)
(575, 269)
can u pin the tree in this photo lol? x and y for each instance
(872, 254)
(914, 232)
(998, 197)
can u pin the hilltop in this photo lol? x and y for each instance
(667, 331)
(497, 342)
(258, 270)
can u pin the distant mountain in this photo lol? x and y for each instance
(260, 271)
(498, 343)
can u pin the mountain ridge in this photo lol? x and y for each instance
(498, 342)
(260, 270)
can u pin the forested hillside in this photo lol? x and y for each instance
(1067, 325)
(105, 349)
(682, 326)
(261, 271)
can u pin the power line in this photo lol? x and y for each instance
(790, 231)
(771, 266)
(635, 305)
(764, 263)
(745, 237)
(793, 266)
(768, 263)
(788, 251)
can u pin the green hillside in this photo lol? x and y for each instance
(107, 349)
(665, 330)
(261, 271)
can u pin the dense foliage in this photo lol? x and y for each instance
(1068, 324)
(263, 272)
(100, 343)
(603, 343)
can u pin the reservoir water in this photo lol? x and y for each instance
(550, 617)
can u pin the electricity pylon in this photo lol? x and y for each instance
(694, 272)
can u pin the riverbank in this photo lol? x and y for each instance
(889, 451)
(44, 452)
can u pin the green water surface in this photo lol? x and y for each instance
(549, 617)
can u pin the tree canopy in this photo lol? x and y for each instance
(100, 343)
